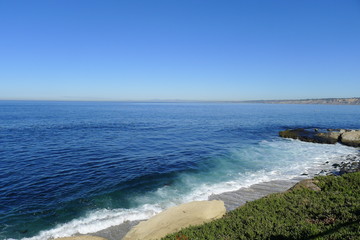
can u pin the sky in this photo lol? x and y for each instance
(197, 50)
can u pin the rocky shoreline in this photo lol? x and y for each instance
(348, 137)
(234, 199)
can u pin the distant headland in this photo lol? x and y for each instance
(335, 101)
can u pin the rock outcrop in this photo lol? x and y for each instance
(351, 138)
(308, 184)
(311, 135)
(176, 218)
(330, 136)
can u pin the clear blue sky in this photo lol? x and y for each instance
(184, 49)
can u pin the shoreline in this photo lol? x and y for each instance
(237, 198)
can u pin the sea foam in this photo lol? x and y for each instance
(279, 160)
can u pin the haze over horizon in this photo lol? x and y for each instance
(179, 50)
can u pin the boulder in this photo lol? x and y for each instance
(176, 218)
(351, 138)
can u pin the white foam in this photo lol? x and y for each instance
(280, 160)
(98, 220)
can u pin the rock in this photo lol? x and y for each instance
(349, 167)
(308, 135)
(299, 133)
(336, 165)
(176, 218)
(329, 137)
(82, 237)
(307, 183)
(351, 138)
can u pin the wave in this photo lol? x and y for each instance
(242, 167)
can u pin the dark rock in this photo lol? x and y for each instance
(310, 135)
(336, 165)
(350, 167)
(299, 133)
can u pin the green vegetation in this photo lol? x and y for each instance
(302, 213)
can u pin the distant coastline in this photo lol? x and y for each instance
(332, 101)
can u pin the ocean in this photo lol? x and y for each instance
(80, 167)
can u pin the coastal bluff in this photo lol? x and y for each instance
(347, 137)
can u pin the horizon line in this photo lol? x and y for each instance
(173, 100)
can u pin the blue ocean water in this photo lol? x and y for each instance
(79, 167)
